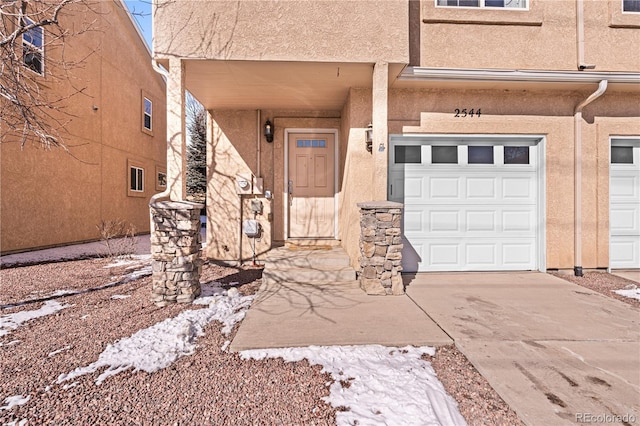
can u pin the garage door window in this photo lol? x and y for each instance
(621, 155)
(444, 155)
(408, 154)
(480, 155)
(516, 155)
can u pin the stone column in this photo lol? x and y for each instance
(381, 248)
(175, 252)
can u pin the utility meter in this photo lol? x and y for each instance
(256, 206)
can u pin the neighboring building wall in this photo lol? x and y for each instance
(50, 197)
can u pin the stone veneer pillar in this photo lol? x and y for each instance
(175, 252)
(381, 248)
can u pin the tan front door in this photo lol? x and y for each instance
(311, 185)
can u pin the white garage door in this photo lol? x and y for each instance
(624, 218)
(469, 206)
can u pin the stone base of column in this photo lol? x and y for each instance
(175, 252)
(381, 248)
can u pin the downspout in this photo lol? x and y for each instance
(602, 87)
(580, 36)
(258, 139)
(164, 194)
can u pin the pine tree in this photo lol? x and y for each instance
(197, 151)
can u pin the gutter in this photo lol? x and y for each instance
(514, 76)
(577, 175)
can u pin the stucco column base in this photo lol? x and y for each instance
(175, 252)
(381, 248)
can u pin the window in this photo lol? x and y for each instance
(631, 5)
(136, 179)
(516, 155)
(409, 154)
(621, 155)
(480, 154)
(511, 4)
(147, 114)
(311, 143)
(162, 180)
(33, 48)
(444, 155)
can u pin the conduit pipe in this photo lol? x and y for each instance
(577, 175)
(580, 36)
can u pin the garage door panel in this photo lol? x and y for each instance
(625, 221)
(626, 252)
(444, 255)
(414, 223)
(481, 255)
(517, 255)
(444, 221)
(625, 187)
(518, 188)
(481, 221)
(443, 188)
(519, 221)
(479, 188)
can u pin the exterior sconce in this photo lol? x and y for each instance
(268, 131)
(368, 137)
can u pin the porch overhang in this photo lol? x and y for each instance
(242, 85)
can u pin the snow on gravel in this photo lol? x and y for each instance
(371, 380)
(12, 321)
(632, 292)
(158, 346)
(12, 401)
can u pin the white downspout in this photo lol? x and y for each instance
(258, 147)
(602, 87)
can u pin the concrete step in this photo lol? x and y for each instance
(304, 265)
(308, 275)
(302, 258)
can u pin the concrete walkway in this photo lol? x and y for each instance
(557, 353)
(630, 274)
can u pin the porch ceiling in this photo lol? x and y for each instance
(274, 85)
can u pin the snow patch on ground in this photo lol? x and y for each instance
(12, 321)
(130, 260)
(120, 296)
(12, 401)
(377, 384)
(54, 353)
(631, 291)
(158, 346)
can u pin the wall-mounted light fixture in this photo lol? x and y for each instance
(368, 137)
(268, 131)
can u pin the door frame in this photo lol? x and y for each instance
(336, 167)
(613, 141)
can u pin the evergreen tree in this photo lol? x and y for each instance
(197, 151)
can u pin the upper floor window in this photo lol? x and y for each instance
(512, 4)
(631, 5)
(33, 48)
(147, 114)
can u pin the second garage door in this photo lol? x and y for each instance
(469, 205)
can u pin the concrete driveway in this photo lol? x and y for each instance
(556, 352)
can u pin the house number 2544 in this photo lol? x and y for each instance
(466, 112)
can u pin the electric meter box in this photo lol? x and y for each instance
(251, 228)
(244, 183)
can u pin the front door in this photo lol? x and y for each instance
(311, 185)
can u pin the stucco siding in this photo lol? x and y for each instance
(53, 197)
(322, 31)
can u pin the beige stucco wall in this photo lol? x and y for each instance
(50, 197)
(321, 31)
(520, 39)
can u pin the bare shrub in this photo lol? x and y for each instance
(118, 237)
